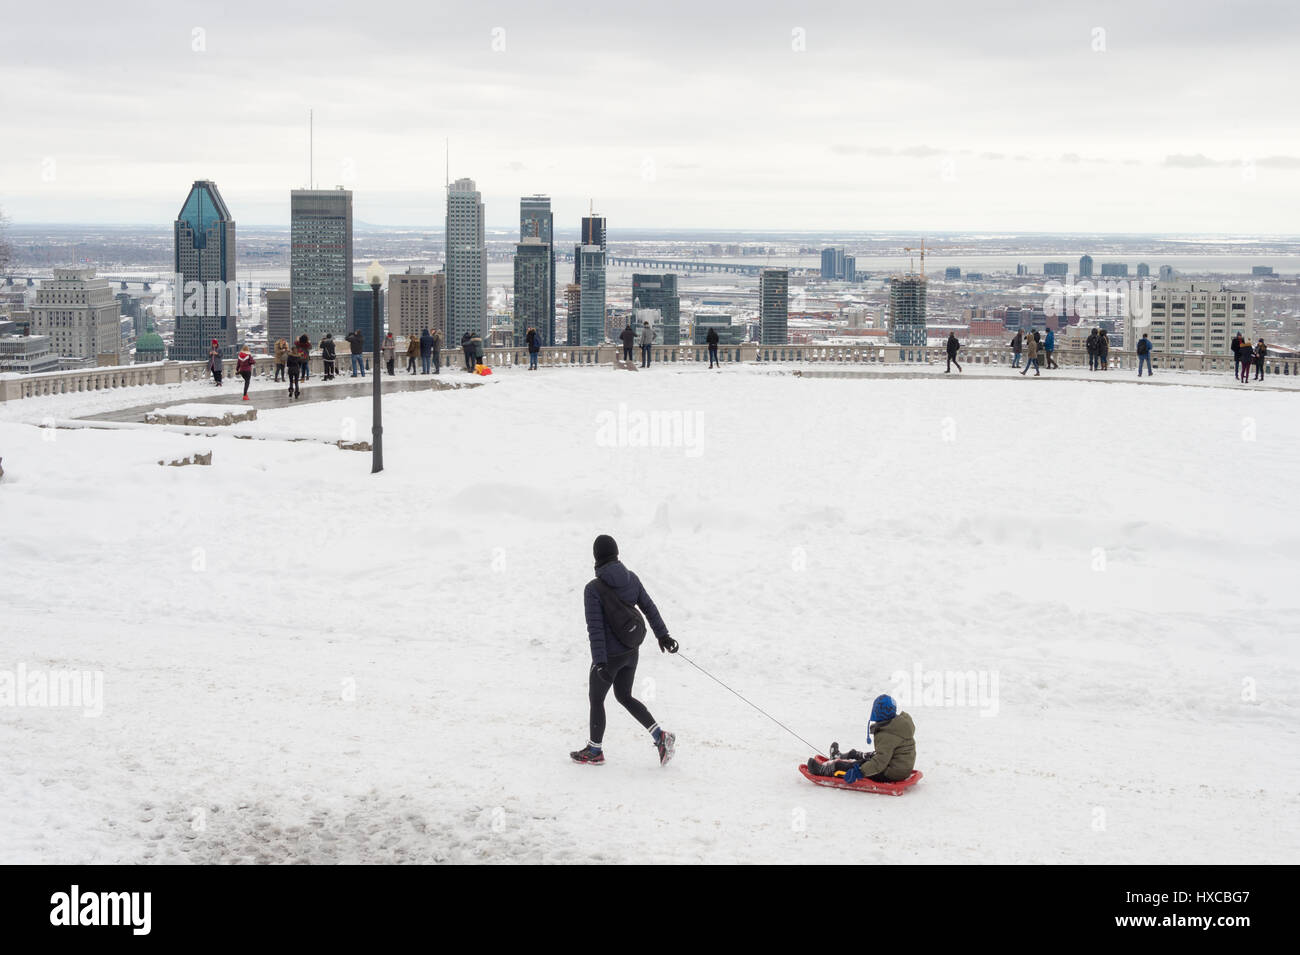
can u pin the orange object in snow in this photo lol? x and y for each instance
(482, 370)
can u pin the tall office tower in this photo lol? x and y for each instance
(907, 309)
(774, 306)
(1085, 266)
(363, 315)
(660, 293)
(1192, 317)
(79, 315)
(537, 222)
(320, 262)
(1143, 271)
(828, 263)
(279, 317)
(414, 302)
(591, 270)
(1114, 270)
(466, 263)
(204, 254)
(850, 268)
(573, 308)
(533, 283)
(593, 231)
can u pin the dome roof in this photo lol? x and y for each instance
(150, 341)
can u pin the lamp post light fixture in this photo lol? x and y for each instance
(375, 276)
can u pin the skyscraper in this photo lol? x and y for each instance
(279, 316)
(1143, 270)
(536, 221)
(659, 292)
(773, 306)
(591, 272)
(573, 309)
(206, 299)
(533, 281)
(320, 262)
(1085, 266)
(363, 316)
(466, 263)
(907, 309)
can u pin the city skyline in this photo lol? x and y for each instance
(772, 118)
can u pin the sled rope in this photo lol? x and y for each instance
(811, 747)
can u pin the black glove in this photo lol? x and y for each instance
(857, 757)
(667, 644)
(600, 670)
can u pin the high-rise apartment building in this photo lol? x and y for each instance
(207, 298)
(907, 309)
(659, 292)
(466, 263)
(573, 311)
(1114, 270)
(536, 221)
(1193, 317)
(534, 300)
(1085, 266)
(78, 313)
(415, 302)
(591, 274)
(774, 306)
(1056, 268)
(320, 262)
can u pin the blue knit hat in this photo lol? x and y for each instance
(884, 708)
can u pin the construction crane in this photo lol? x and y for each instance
(922, 251)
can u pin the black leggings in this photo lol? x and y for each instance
(247, 376)
(622, 670)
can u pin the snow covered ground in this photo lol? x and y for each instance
(301, 661)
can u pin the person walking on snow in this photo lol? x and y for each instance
(711, 339)
(614, 596)
(1049, 348)
(647, 339)
(627, 336)
(953, 345)
(895, 754)
(1144, 355)
(244, 365)
(215, 364)
(1031, 355)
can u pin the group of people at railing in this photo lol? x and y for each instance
(1247, 356)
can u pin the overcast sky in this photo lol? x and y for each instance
(1131, 116)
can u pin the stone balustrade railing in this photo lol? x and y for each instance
(174, 372)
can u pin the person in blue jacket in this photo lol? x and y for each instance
(613, 663)
(1050, 347)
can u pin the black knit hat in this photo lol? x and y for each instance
(604, 550)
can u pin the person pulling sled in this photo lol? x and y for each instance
(615, 629)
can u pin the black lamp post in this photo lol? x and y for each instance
(375, 275)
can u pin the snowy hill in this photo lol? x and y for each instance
(304, 662)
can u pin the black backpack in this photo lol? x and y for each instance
(623, 619)
(1143, 346)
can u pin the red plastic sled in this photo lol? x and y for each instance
(862, 785)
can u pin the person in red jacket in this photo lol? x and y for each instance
(244, 365)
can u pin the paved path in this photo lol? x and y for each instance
(278, 397)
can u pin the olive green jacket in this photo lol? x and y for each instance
(895, 754)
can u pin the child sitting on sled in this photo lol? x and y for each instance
(895, 753)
